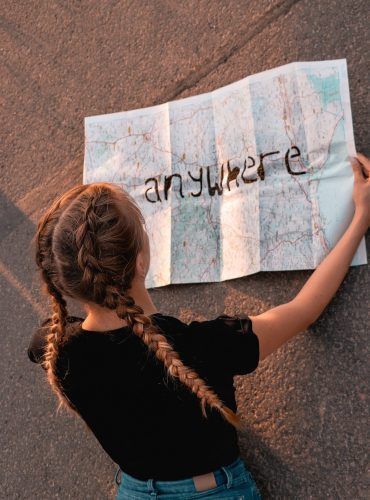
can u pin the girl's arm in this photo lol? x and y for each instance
(277, 325)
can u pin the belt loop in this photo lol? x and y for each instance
(151, 488)
(116, 476)
(229, 477)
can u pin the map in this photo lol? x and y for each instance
(253, 176)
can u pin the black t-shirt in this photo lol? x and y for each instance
(150, 424)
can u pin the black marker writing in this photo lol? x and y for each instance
(247, 181)
(232, 175)
(156, 190)
(168, 181)
(298, 153)
(197, 180)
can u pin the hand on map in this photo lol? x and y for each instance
(361, 188)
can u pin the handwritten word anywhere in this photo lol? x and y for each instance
(232, 175)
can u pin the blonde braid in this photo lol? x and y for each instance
(144, 328)
(54, 339)
(57, 327)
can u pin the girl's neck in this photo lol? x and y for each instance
(101, 318)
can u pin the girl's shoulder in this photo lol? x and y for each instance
(37, 344)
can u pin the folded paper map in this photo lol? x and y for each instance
(253, 176)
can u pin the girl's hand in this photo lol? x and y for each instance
(361, 188)
(279, 324)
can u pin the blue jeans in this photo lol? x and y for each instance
(234, 482)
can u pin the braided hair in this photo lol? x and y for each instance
(87, 243)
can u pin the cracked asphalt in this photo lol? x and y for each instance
(306, 405)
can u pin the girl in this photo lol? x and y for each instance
(156, 392)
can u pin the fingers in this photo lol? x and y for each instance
(364, 161)
(357, 170)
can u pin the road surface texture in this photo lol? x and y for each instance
(305, 405)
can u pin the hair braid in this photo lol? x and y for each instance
(57, 327)
(144, 328)
(54, 339)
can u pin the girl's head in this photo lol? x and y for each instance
(92, 246)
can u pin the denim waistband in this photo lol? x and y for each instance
(228, 475)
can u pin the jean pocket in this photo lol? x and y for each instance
(124, 493)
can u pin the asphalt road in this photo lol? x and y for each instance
(307, 404)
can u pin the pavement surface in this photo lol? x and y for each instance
(307, 404)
